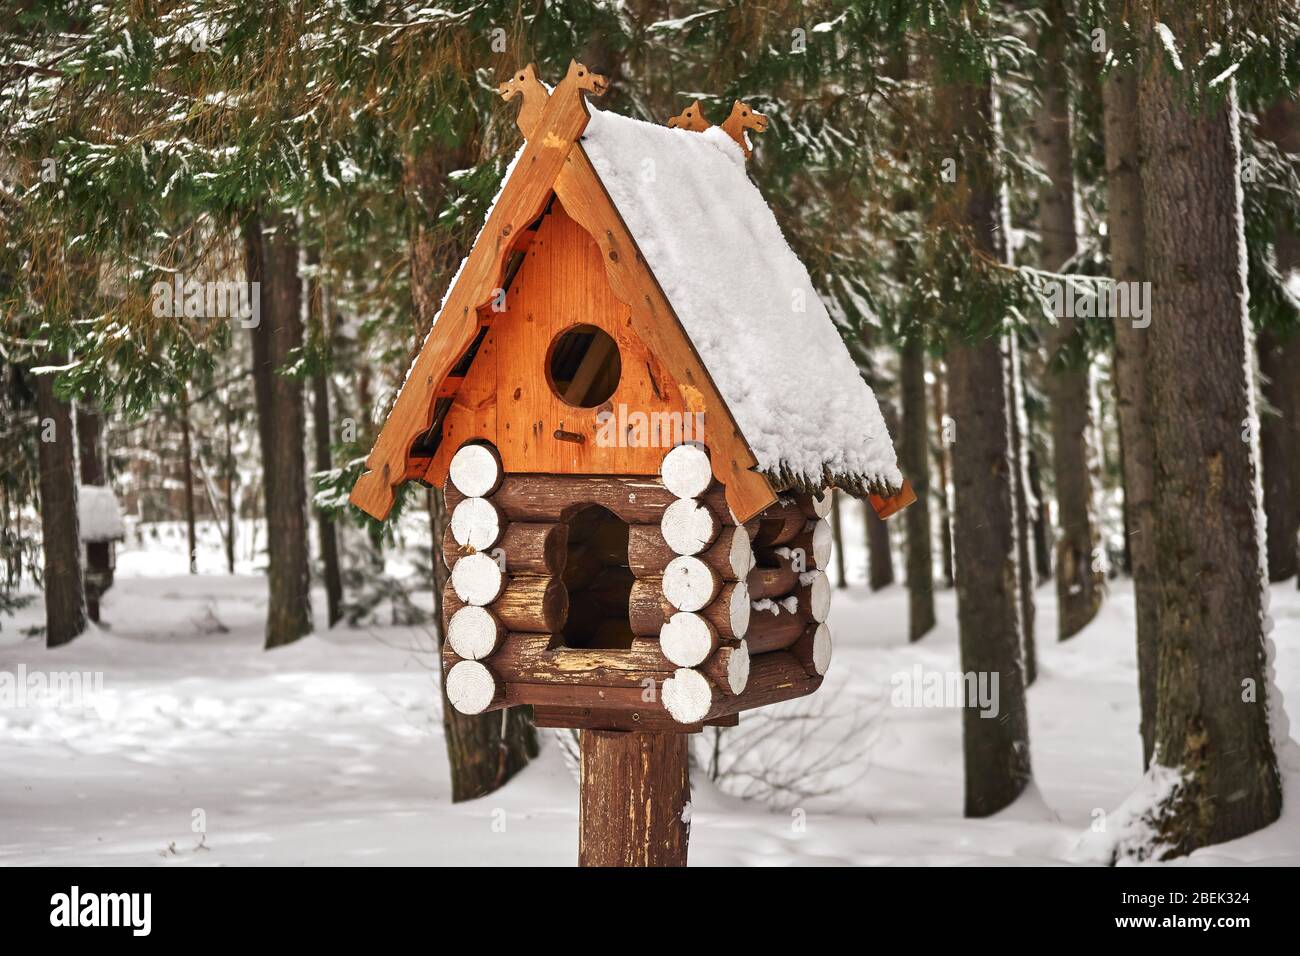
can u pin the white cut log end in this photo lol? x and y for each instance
(475, 471)
(471, 688)
(688, 526)
(740, 609)
(687, 639)
(742, 553)
(822, 540)
(686, 471)
(473, 633)
(821, 650)
(822, 503)
(476, 524)
(689, 583)
(738, 669)
(477, 579)
(819, 597)
(687, 696)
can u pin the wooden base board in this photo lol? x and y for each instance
(586, 718)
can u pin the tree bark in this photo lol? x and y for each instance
(996, 751)
(483, 750)
(1127, 237)
(1078, 586)
(272, 260)
(326, 532)
(1042, 547)
(941, 495)
(1279, 366)
(187, 476)
(98, 571)
(634, 797)
(229, 469)
(1016, 420)
(880, 557)
(1212, 722)
(65, 608)
(914, 459)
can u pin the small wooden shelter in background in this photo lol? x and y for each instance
(637, 406)
(99, 523)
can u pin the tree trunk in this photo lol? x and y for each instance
(1127, 236)
(1279, 366)
(187, 476)
(273, 261)
(634, 796)
(1042, 547)
(996, 750)
(1212, 722)
(483, 750)
(914, 460)
(1078, 586)
(327, 534)
(1017, 422)
(65, 608)
(941, 494)
(229, 469)
(98, 571)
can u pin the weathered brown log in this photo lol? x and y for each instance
(774, 632)
(780, 528)
(772, 582)
(634, 792)
(815, 597)
(550, 498)
(815, 542)
(532, 603)
(472, 688)
(596, 718)
(648, 609)
(475, 470)
(474, 632)
(648, 553)
(773, 678)
(532, 659)
(813, 650)
(528, 547)
(815, 506)
(690, 584)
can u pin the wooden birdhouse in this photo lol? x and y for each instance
(637, 406)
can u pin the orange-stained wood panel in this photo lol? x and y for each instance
(507, 399)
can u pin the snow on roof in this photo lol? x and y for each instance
(98, 515)
(745, 300)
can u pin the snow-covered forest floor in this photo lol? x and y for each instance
(330, 751)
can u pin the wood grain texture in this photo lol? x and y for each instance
(506, 397)
(653, 319)
(522, 199)
(634, 791)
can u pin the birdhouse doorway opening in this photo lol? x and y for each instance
(599, 581)
(583, 366)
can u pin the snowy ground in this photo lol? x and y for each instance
(330, 751)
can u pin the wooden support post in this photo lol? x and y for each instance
(634, 793)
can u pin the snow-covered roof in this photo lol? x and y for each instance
(99, 517)
(746, 301)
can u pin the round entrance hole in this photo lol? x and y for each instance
(583, 366)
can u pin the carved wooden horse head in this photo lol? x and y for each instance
(743, 118)
(692, 118)
(524, 83)
(585, 79)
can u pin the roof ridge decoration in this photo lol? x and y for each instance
(557, 161)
